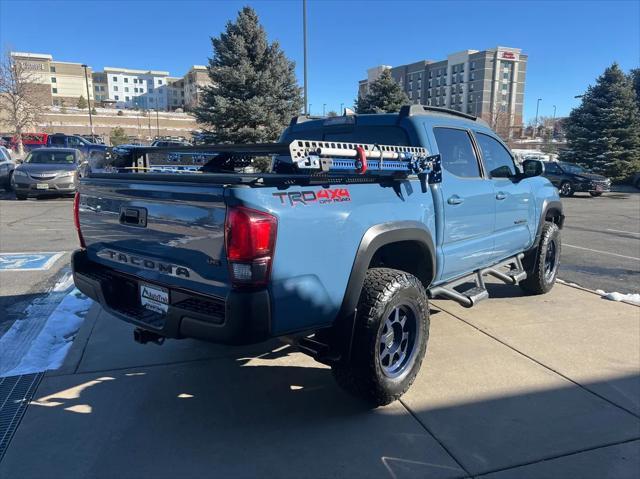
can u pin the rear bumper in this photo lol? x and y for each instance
(240, 318)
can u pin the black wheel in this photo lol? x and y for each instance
(566, 189)
(390, 338)
(21, 196)
(542, 266)
(595, 194)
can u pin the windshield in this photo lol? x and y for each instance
(575, 169)
(51, 157)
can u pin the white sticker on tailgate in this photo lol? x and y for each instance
(154, 298)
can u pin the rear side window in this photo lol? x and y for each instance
(497, 159)
(456, 152)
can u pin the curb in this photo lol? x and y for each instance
(577, 286)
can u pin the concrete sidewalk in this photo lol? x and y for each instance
(520, 387)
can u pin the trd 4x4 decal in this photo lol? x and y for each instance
(323, 196)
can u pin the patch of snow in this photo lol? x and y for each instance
(63, 284)
(629, 298)
(50, 347)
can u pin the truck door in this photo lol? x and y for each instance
(515, 206)
(468, 204)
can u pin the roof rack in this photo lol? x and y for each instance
(307, 157)
(411, 110)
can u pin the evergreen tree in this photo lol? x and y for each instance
(82, 103)
(118, 136)
(635, 81)
(254, 92)
(385, 96)
(603, 133)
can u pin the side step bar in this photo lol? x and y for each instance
(477, 293)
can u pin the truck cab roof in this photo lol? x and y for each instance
(403, 128)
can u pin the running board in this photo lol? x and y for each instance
(478, 292)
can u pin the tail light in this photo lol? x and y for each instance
(250, 238)
(76, 219)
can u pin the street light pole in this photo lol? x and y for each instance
(304, 36)
(157, 124)
(309, 110)
(324, 109)
(86, 81)
(553, 123)
(535, 123)
(341, 108)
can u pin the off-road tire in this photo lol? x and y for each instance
(595, 194)
(566, 189)
(538, 281)
(383, 291)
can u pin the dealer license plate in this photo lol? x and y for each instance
(42, 186)
(154, 298)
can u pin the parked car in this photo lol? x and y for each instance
(337, 250)
(570, 178)
(30, 141)
(47, 171)
(7, 166)
(92, 151)
(636, 180)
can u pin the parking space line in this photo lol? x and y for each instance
(626, 232)
(601, 252)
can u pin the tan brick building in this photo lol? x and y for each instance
(488, 84)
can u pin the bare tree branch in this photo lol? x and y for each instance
(19, 96)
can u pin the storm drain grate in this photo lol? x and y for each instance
(15, 394)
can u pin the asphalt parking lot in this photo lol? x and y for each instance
(32, 226)
(601, 241)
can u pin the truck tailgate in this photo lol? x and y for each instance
(170, 233)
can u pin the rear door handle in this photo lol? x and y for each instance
(455, 200)
(500, 195)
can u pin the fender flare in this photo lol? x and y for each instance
(373, 239)
(548, 206)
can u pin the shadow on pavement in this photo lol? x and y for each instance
(270, 417)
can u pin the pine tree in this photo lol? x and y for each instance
(634, 76)
(118, 136)
(603, 133)
(384, 96)
(82, 103)
(254, 92)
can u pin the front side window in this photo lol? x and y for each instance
(552, 168)
(497, 159)
(456, 152)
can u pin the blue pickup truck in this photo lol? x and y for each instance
(337, 249)
(91, 151)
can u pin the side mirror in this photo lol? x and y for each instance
(532, 168)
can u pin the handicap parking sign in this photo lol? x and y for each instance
(27, 261)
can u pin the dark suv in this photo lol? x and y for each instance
(570, 178)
